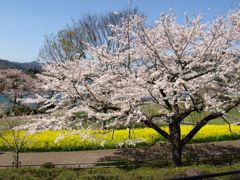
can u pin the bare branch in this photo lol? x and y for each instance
(229, 125)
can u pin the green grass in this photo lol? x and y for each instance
(234, 116)
(155, 109)
(116, 173)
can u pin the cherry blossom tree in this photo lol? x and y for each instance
(14, 84)
(13, 79)
(23, 90)
(182, 68)
(15, 141)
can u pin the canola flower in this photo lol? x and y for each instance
(73, 140)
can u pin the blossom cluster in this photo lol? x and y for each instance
(183, 68)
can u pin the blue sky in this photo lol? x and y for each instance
(23, 23)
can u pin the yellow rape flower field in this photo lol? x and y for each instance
(73, 140)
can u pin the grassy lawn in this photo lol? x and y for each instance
(234, 116)
(117, 173)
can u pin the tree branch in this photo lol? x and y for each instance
(229, 125)
(165, 100)
(199, 75)
(206, 119)
(75, 88)
(157, 128)
(91, 93)
(153, 50)
(155, 99)
(192, 99)
(198, 126)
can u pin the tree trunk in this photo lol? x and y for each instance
(177, 153)
(17, 159)
(113, 134)
(175, 140)
(129, 133)
(103, 125)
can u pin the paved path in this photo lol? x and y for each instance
(159, 150)
(39, 158)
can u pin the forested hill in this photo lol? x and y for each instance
(28, 66)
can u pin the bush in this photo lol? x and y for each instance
(67, 175)
(18, 110)
(48, 165)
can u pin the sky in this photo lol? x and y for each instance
(24, 23)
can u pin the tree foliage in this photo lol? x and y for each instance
(69, 43)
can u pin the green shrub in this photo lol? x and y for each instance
(48, 165)
(67, 175)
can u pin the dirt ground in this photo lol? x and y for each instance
(160, 150)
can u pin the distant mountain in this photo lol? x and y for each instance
(28, 66)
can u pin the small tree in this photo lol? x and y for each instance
(14, 139)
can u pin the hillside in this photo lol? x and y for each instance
(5, 64)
